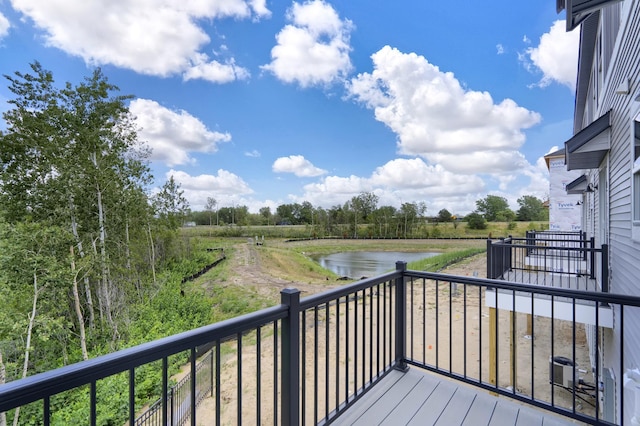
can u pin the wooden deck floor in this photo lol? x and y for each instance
(422, 398)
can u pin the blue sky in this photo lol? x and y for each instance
(263, 103)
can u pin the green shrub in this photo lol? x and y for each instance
(476, 221)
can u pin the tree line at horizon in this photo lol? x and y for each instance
(363, 212)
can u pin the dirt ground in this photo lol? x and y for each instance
(468, 356)
(246, 268)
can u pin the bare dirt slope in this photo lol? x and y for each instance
(246, 268)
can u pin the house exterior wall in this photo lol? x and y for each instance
(607, 212)
(565, 213)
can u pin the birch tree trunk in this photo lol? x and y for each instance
(101, 308)
(32, 319)
(127, 242)
(153, 254)
(103, 256)
(102, 235)
(87, 286)
(76, 299)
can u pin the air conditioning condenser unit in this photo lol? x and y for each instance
(561, 371)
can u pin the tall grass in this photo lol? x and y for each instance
(441, 261)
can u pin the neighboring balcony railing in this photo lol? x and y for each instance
(179, 396)
(565, 260)
(306, 361)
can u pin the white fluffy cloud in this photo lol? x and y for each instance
(314, 48)
(556, 56)
(298, 165)
(224, 186)
(334, 190)
(254, 153)
(173, 134)
(397, 181)
(481, 162)
(4, 26)
(155, 37)
(215, 71)
(402, 174)
(439, 120)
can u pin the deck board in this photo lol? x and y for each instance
(370, 399)
(406, 410)
(457, 409)
(391, 399)
(481, 410)
(529, 418)
(434, 406)
(504, 414)
(418, 397)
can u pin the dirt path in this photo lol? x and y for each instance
(245, 268)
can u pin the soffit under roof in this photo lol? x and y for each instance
(587, 148)
(577, 186)
(579, 10)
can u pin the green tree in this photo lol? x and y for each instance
(366, 203)
(409, 213)
(285, 213)
(70, 157)
(35, 280)
(265, 212)
(304, 213)
(241, 215)
(210, 206)
(507, 215)
(383, 218)
(170, 203)
(476, 221)
(531, 208)
(444, 216)
(494, 208)
(360, 207)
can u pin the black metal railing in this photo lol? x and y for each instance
(556, 235)
(550, 260)
(179, 395)
(345, 336)
(540, 345)
(568, 240)
(308, 360)
(227, 353)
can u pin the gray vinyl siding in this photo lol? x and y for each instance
(625, 253)
(617, 58)
(611, 24)
(620, 60)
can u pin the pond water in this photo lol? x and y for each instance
(358, 264)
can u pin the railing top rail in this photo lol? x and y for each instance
(546, 240)
(617, 299)
(335, 293)
(547, 231)
(41, 385)
(538, 247)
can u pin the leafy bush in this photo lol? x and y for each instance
(476, 221)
